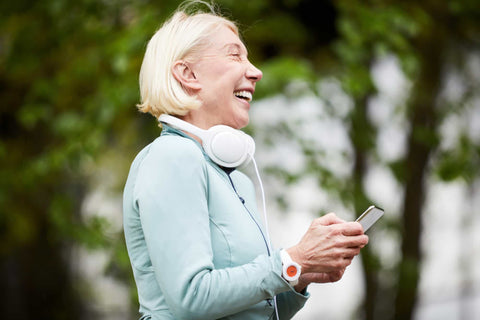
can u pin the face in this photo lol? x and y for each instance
(227, 81)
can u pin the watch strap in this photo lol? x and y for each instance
(290, 269)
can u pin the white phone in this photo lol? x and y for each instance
(369, 217)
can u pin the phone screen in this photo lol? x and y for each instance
(369, 217)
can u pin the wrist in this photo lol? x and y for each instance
(291, 270)
(301, 288)
(296, 256)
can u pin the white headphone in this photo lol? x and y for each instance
(224, 145)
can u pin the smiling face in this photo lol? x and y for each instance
(226, 82)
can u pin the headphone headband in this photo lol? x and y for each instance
(224, 145)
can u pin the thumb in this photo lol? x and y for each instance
(323, 277)
(329, 219)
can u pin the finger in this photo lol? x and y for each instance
(347, 260)
(352, 229)
(349, 257)
(329, 219)
(324, 277)
(355, 241)
(335, 275)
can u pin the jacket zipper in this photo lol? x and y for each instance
(249, 213)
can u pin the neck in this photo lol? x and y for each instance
(193, 121)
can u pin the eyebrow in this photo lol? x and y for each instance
(234, 45)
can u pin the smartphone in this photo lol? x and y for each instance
(369, 217)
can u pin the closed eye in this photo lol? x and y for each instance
(236, 52)
(236, 56)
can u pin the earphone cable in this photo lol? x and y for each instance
(269, 245)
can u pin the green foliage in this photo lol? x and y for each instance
(373, 29)
(68, 89)
(68, 78)
(460, 163)
(281, 72)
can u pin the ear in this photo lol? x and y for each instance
(184, 74)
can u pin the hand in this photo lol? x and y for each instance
(307, 278)
(328, 246)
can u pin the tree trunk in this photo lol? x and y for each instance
(422, 141)
(36, 276)
(361, 136)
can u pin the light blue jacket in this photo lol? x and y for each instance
(195, 240)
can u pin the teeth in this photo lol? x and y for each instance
(247, 95)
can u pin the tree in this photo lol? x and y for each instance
(430, 40)
(68, 84)
(428, 51)
(68, 87)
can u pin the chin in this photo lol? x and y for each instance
(241, 122)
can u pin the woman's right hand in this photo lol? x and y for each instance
(328, 247)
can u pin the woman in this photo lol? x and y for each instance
(196, 243)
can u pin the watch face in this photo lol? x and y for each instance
(292, 271)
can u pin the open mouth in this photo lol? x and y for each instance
(245, 95)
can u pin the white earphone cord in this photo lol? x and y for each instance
(266, 222)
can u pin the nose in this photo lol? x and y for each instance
(253, 73)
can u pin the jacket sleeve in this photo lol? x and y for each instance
(171, 195)
(290, 302)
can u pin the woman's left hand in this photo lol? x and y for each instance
(307, 278)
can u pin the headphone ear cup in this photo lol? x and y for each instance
(250, 149)
(224, 145)
(228, 147)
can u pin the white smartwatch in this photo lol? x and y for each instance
(291, 270)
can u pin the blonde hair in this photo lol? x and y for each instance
(181, 37)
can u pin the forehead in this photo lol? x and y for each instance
(225, 39)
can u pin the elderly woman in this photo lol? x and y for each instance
(197, 245)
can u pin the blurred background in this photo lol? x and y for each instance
(362, 102)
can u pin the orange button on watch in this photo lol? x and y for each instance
(290, 270)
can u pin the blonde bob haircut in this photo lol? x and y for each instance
(182, 37)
